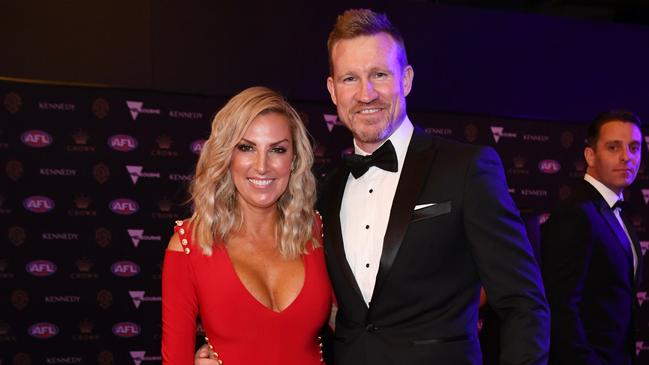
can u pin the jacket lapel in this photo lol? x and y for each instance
(334, 232)
(615, 226)
(419, 157)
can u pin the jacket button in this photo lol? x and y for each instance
(371, 328)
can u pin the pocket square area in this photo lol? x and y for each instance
(422, 206)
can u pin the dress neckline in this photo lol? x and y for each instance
(233, 272)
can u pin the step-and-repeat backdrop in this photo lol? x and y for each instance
(93, 179)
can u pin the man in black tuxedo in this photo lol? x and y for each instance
(415, 224)
(590, 254)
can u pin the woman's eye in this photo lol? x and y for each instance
(278, 150)
(244, 147)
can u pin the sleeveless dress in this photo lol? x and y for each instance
(241, 330)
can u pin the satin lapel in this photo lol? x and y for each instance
(419, 157)
(637, 248)
(614, 224)
(333, 232)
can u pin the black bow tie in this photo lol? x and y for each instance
(384, 158)
(620, 204)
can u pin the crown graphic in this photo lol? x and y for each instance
(164, 205)
(164, 142)
(519, 162)
(82, 201)
(80, 137)
(84, 264)
(86, 326)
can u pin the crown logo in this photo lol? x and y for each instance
(80, 137)
(82, 201)
(580, 165)
(519, 162)
(164, 142)
(86, 326)
(84, 264)
(164, 205)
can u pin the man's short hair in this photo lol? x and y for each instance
(614, 115)
(364, 22)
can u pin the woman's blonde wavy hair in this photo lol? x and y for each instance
(213, 192)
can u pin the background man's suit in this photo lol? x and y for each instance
(424, 305)
(588, 273)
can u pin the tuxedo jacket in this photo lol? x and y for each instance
(587, 266)
(424, 306)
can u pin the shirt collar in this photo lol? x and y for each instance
(400, 140)
(608, 194)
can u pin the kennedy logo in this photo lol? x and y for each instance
(36, 138)
(124, 206)
(499, 132)
(136, 173)
(139, 356)
(138, 297)
(41, 268)
(332, 121)
(137, 235)
(185, 115)
(43, 330)
(642, 296)
(46, 105)
(136, 109)
(126, 329)
(197, 146)
(38, 204)
(549, 166)
(125, 269)
(645, 195)
(122, 142)
(644, 245)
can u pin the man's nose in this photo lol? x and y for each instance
(367, 92)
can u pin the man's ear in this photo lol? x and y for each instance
(589, 156)
(332, 91)
(408, 75)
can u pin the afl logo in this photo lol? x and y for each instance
(41, 268)
(38, 204)
(124, 206)
(125, 269)
(122, 142)
(35, 138)
(549, 166)
(43, 330)
(126, 329)
(197, 146)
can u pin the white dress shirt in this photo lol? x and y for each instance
(365, 211)
(611, 198)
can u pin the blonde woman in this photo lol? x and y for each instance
(249, 261)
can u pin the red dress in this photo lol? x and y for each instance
(242, 330)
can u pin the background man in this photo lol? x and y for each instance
(590, 253)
